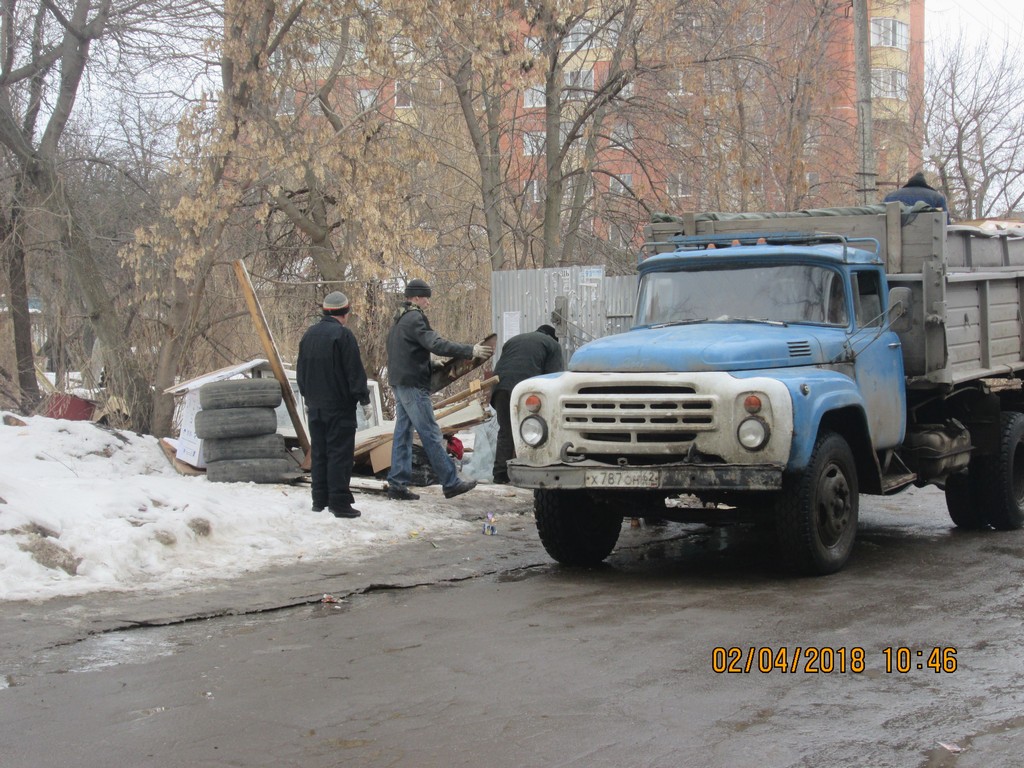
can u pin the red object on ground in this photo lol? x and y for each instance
(70, 407)
(455, 447)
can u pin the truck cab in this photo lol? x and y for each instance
(762, 373)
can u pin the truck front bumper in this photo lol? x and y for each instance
(677, 478)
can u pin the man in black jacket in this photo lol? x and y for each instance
(410, 343)
(332, 380)
(522, 356)
(917, 190)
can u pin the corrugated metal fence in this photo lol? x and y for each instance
(580, 302)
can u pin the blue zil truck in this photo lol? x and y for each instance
(780, 365)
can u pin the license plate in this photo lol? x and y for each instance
(618, 479)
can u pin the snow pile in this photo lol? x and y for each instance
(85, 509)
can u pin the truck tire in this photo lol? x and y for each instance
(254, 447)
(240, 393)
(963, 500)
(252, 471)
(1003, 481)
(572, 530)
(235, 422)
(816, 512)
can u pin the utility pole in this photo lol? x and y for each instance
(866, 175)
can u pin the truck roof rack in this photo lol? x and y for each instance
(702, 242)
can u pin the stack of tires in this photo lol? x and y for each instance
(238, 427)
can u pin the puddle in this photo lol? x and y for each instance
(107, 650)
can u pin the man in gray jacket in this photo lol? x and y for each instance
(522, 356)
(410, 343)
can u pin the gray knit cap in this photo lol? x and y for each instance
(335, 303)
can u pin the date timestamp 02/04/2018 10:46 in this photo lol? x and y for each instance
(823, 659)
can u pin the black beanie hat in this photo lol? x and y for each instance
(917, 180)
(417, 287)
(549, 330)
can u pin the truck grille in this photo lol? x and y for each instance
(637, 415)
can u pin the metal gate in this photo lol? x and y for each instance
(580, 302)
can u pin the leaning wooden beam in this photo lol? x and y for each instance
(270, 348)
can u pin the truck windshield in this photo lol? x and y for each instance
(787, 293)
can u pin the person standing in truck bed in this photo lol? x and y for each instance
(917, 190)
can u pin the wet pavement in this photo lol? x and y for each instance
(477, 650)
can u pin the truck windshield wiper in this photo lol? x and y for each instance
(761, 320)
(679, 322)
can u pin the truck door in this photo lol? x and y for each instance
(878, 361)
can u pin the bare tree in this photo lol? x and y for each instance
(45, 50)
(974, 126)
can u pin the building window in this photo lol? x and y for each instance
(534, 46)
(621, 184)
(534, 191)
(533, 97)
(889, 84)
(366, 99)
(618, 237)
(622, 136)
(890, 33)
(403, 94)
(533, 142)
(403, 50)
(681, 85)
(678, 186)
(289, 97)
(578, 82)
(580, 36)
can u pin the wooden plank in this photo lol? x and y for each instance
(273, 356)
(472, 411)
(456, 368)
(893, 242)
(440, 413)
(475, 387)
(182, 468)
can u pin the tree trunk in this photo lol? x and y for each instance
(21, 320)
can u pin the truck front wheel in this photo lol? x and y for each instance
(963, 499)
(574, 530)
(816, 512)
(1004, 480)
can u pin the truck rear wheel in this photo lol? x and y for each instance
(1004, 477)
(573, 530)
(816, 512)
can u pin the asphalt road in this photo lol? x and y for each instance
(480, 652)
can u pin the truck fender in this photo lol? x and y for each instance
(833, 401)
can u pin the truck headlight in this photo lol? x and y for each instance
(753, 433)
(533, 430)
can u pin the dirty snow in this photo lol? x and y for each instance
(84, 509)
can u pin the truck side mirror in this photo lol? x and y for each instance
(899, 317)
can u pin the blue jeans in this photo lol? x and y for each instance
(413, 410)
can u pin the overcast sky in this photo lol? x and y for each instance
(978, 18)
